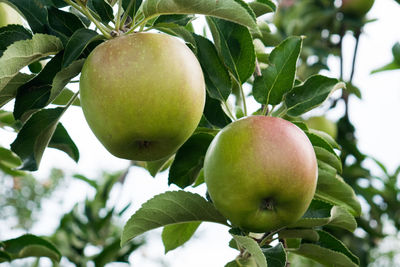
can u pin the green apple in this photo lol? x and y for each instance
(8, 15)
(142, 95)
(321, 123)
(356, 8)
(261, 173)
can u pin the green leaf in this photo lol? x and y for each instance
(154, 167)
(262, 7)
(134, 6)
(340, 217)
(233, 10)
(219, 85)
(63, 24)
(307, 234)
(214, 113)
(77, 44)
(276, 256)
(31, 246)
(34, 137)
(312, 93)
(326, 137)
(4, 256)
(45, 87)
(63, 77)
(12, 33)
(328, 251)
(391, 66)
(320, 213)
(235, 44)
(10, 90)
(318, 141)
(9, 161)
(23, 53)
(278, 78)
(253, 248)
(328, 157)
(64, 97)
(173, 20)
(170, 208)
(175, 235)
(102, 9)
(189, 160)
(62, 141)
(333, 189)
(34, 13)
(396, 52)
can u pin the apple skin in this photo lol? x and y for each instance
(321, 123)
(8, 15)
(356, 8)
(261, 173)
(142, 95)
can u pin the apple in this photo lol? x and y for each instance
(8, 15)
(142, 95)
(356, 8)
(261, 173)
(321, 123)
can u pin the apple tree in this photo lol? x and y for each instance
(233, 58)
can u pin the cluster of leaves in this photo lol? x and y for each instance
(230, 61)
(94, 223)
(23, 198)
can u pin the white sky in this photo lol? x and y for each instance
(376, 118)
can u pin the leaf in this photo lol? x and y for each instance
(326, 137)
(34, 13)
(189, 160)
(216, 75)
(30, 246)
(64, 97)
(233, 10)
(4, 256)
(333, 189)
(262, 7)
(45, 87)
(278, 78)
(328, 157)
(102, 9)
(276, 256)
(318, 141)
(10, 90)
(178, 20)
(391, 66)
(34, 137)
(63, 24)
(307, 234)
(253, 248)
(23, 53)
(12, 33)
(320, 213)
(63, 77)
(312, 93)
(396, 52)
(235, 44)
(170, 208)
(9, 161)
(214, 113)
(328, 251)
(156, 166)
(62, 141)
(134, 8)
(175, 235)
